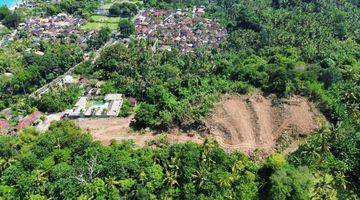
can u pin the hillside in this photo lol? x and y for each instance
(251, 122)
(224, 99)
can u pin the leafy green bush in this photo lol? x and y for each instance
(57, 100)
(126, 109)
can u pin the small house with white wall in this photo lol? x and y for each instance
(88, 106)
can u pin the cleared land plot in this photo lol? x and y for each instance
(97, 22)
(246, 123)
(252, 122)
(107, 129)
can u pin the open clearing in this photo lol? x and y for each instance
(251, 122)
(246, 123)
(107, 129)
(97, 22)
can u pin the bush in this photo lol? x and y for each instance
(126, 27)
(126, 109)
(125, 9)
(327, 63)
(4, 12)
(12, 20)
(57, 100)
(145, 116)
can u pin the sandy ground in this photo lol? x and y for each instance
(44, 125)
(248, 123)
(252, 122)
(107, 129)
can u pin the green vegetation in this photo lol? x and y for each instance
(291, 57)
(283, 47)
(57, 100)
(10, 19)
(4, 31)
(82, 8)
(124, 9)
(4, 11)
(98, 22)
(64, 163)
(98, 26)
(126, 109)
(99, 39)
(29, 71)
(126, 27)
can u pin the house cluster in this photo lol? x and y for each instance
(91, 105)
(184, 28)
(28, 120)
(57, 26)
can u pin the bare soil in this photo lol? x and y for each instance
(250, 123)
(107, 129)
(253, 122)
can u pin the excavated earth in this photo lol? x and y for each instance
(254, 122)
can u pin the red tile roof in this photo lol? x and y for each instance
(28, 120)
(4, 125)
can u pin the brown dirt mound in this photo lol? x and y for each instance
(253, 122)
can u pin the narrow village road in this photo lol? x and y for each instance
(70, 70)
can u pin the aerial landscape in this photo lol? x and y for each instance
(180, 99)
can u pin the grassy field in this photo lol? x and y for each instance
(108, 4)
(97, 22)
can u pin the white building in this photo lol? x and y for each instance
(68, 79)
(109, 108)
(116, 101)
(79, 108)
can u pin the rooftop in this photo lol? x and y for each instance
(4, 125)
(28, 120)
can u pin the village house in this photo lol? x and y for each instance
(115, 104)
(4, 126)
(182, 28)
(89, 106)
(61, 25)
(28, 120)
(68, 79)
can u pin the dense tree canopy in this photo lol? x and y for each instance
(4, 11)
(76, 7)
(57, 100)
(30, 70)
(64, 163)
(99, 39)
(124, 9)
(281, 47)
(126, 27)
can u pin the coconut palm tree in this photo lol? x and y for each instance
(6, 162)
